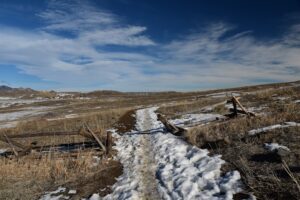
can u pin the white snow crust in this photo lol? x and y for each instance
(275, 146)
(180, 171)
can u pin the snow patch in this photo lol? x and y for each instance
(72, 192)
(69, 116)
(196, 118)
(9, 101)
(275, 146)
(55, 195)
(9, 120)
(272, 127)
(3, 151)
(281, 98)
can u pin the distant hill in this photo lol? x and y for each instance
(10, 91)
(5, 88)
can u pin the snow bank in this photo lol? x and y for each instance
(272, 127)
(181, 171)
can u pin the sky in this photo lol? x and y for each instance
(149, 45)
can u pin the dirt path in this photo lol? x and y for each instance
(158, 165)
(148, 165)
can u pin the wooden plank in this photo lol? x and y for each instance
(170, 127)
(95, 137)
(17, 144)
(175, 130)
(43, 134)
(11, 145)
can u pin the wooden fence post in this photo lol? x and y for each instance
(108, 142)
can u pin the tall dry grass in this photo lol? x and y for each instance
(28, 177)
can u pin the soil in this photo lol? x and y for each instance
(126, 123)
(99, 182)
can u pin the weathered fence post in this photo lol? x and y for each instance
(108, 142)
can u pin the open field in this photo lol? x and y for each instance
(62, 154)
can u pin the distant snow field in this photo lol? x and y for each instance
(10, 119)
(9, 101)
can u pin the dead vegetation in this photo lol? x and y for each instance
(58, 155)
(269, 175)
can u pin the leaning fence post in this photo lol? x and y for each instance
(95, 137)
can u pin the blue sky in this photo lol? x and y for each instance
(149, 45)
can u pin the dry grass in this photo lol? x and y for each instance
(263, 173)
(28, 178)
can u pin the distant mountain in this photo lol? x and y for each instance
(5, 88)
(9, 91)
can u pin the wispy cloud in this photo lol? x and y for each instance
(75, 16)
(73, 49)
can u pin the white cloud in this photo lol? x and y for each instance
(75, 16)
(210, 57)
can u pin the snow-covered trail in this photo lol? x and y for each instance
(158, 165)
